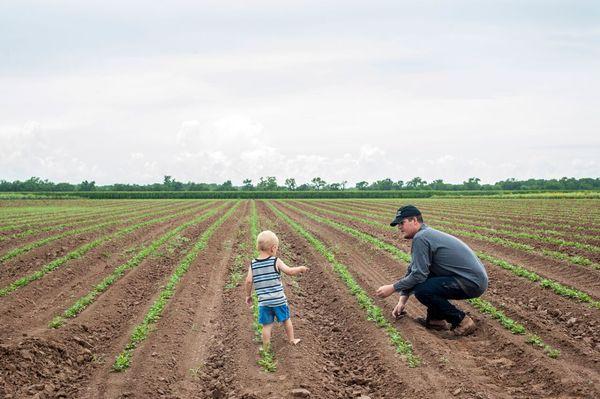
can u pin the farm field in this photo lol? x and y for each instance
(144, 298)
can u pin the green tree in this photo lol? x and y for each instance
(362, 185)
(87, 186)
(417, 182)
(472, 183)
(290, 183)
(247, 184)
(226, 186)
(438, 185)
(267, 184)
(318, 183)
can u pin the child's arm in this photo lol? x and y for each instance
(290, 271)
(248, 286)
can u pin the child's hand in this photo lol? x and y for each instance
(249, 300)
(303, 269)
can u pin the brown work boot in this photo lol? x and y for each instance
(467, 326)
(439, 325)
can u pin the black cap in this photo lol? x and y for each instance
(405, 212)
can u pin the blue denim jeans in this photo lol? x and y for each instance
(435, 292)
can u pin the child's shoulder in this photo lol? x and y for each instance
(259, 259)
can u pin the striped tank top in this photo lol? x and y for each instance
(267, 282)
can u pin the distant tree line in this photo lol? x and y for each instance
(270, 183)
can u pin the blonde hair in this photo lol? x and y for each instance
(265, 240)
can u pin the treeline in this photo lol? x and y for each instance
(270, 184)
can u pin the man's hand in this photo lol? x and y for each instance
(398, 310)
(249, 300)
(385, 290)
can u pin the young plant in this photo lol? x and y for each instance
(373, 312)
(91, 296)
(141, 332)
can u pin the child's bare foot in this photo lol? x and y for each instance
(295, 341)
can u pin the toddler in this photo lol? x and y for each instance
(264, 274)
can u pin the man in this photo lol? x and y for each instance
(442, 268)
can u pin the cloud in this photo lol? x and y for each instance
(360, 92)
(31, 149)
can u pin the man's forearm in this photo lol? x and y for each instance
(403, 299)
(400, 287)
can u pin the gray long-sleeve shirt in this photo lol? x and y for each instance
(435, 254)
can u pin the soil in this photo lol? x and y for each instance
(582, 277)
(204, 346)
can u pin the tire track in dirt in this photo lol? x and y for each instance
(214, 370)
(491, 347)
(91, 341)
(35, 305)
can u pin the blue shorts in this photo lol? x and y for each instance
(266, 314)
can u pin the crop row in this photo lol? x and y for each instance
(499, 224)
(19, 223)
(398, 254)
(492, 220)
(90, 218)
(82, 250)
(266, 356)
(574, 259)
(92, 213)
(142, 330)
(570, 221)
(114, 220)
(520, 271)
(374, 312)
(559, 208)
(45, 210)
(147, 250)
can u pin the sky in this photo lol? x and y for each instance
(209, 91)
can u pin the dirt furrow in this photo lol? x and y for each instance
(491, 214)
(165, 358)
(11, 241)
(31, 261)
(580, 277)
(451, 220)
(328, 321)
(491, 347)
(532, 304)
(91, 341)
(33, 306)
(11, 244)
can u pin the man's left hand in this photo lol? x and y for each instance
(385, 290)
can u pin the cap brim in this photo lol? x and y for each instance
(395, 222)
